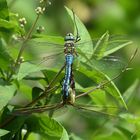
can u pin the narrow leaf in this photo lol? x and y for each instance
(129, 93)
(117, 46)
(101, 45)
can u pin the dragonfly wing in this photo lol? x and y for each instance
(38, 109)
(112, 62)
(102, 48)
(99, 109)
(45, 49)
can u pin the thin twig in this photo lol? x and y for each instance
(23, 46)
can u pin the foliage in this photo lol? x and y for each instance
(31, 85)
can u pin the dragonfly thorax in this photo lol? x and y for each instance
(69, 47)
(69, 44)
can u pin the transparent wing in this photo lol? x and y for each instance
(37, 109)
(97, 109)
(100, 56)
(49, 50)
(102, 110)
(105, 45)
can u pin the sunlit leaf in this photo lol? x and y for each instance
(129, 93)
(27, 68)
(127, 133)
(5, 58)
(101, 45)
(93, 76)
(74, 137)
(3, 132)
(130, 118)
(4, 12)
(46, 126)
(115, 45)
(6, 93)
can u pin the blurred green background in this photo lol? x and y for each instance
(119, 17)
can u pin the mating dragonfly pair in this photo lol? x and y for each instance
(68, 85)
(71, 49)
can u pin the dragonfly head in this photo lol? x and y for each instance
(69, 37)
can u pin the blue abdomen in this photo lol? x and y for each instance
(66, 84)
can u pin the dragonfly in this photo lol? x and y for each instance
(70, 51)
(69, 98)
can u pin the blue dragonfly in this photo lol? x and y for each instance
(71, 50)
(69, 96)
(68, 87)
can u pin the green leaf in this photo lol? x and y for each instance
(49, 75)
(27, 68)
(7, 28)
(4, 12)
(89, 77)
(46, 127)
(3, 132)
(36, 91)
(48, 38)
(116, 44)
(129, 93)
(5, 58)
(131, 118)
(101, 45)
(127, 133)
(9, 25)
(6, 93)
(74, 137)
(83, 32)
